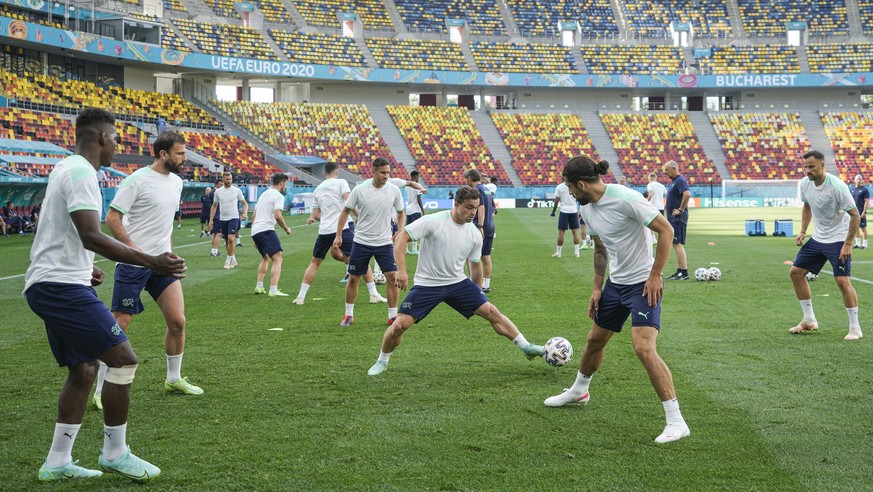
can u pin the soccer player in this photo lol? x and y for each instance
(490, 183)
(376, 200)
(214, 225)
(862, 197)
(59, 289)
(484, 221)
(827, 200)
(656, 195)
(414, 207)
(569, 218)
(205, 208)
(618, 219)
(141, 216)
(228, 198)
(448, 240)
(268, 212)
(677, 214)
(328, 202)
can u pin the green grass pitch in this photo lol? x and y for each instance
(459, 407)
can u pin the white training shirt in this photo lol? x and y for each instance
(149, 200)
(328, 197)
(412, 201)
(567, 203)
(657, 192)
(265, 216)
(398, 182)
(491, 187)
(57, 254)
(445, 247)
(376, 207)
(228, 199)
(621, 220)
(829, 203)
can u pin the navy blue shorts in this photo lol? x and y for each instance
(129, 284)
(216, 225)
(488, 240)
(393, 227)
(620, 301)
(204, 216)
(412, 218)
(324, 242)
(678, 231)
(568, 221)
(229, 227)
(78, 325)
(863, 223)
(359, 259)
(267, 243)
(813, 255)
(464, 297)
(178, 214)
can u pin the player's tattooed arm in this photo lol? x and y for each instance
(601, 259)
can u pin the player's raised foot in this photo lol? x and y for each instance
(347, 320)
(378, 368)
(299, 301)
(376, 299)
(130, 466)
(97, 401)
(182, 386)
(532, 351)
(854, 334)
(556, 255)
(567, 398)
(673, 432)
(260, 290)
(345, 279)
(278, 293)
(66, 472)
(803, 327)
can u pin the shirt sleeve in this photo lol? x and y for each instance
(398, 201)
(83, 194)
(239, 194)
(846, 201)
(352, 202)
(344, 187)
(644, 211)
(420, 229)
(682, 185)
(279, 200)
(476, 253)
(125, 196)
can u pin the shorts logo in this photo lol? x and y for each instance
(644, 315)
(406, 305)
(127, 302)
(116, 330)
(351, 268)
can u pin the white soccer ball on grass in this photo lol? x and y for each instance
(557, 351)
(701, 274)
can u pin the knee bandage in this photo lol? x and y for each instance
(121, 375)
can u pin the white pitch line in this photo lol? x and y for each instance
(854, 279)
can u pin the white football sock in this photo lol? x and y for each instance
(383, 357)
(576, 248)
(304, 288)
(114, 441)
(372, 288)
(274, 289)
(392, 312)
(580, 386)
(808, 314)
(558, 249)
(864, 244)
(61, 451)
(520, 341)
(174, 368)
(671, 409)
(854, 324)
(350, 309)
(259, 285)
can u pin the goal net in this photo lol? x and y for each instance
(772, 192)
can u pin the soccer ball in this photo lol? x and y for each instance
(811, 276)
(714, 273)
(557, 351)
(701, 274)
(379, 278)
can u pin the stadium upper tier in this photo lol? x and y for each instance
(752, 59)
(341, 133)
(482, 16)
(644, 142)
(227, 40)
(865, 11)
(303, 47)
(851, 136)
(652, 18)
(525, 58)
(848, 57)
(761, 145)
(630, 60)
(324, 12)
(540, 144)
(541, 17)
(768, 17)
(417, 54)
(445, 142)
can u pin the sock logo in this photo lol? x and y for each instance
(108, 434)
(71, 436)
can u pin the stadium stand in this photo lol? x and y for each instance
(237, 155)
(226, 40)
(174, 5)
(524, 58)
(372, 13)
(318, 48)
(28, 16)
(851, 136)
(417, 54)
(652, 18)
(844, 57)
(21, 88)
(341, 133)
(540, 17)
(644, 142)
(223, 8)
(172, 41)
(764, 58)
(445, 143)
(761, 145)
(865, 11)
(768, 17)
(628, 60)
(540, 144)
(29, 158)
(482, 16)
